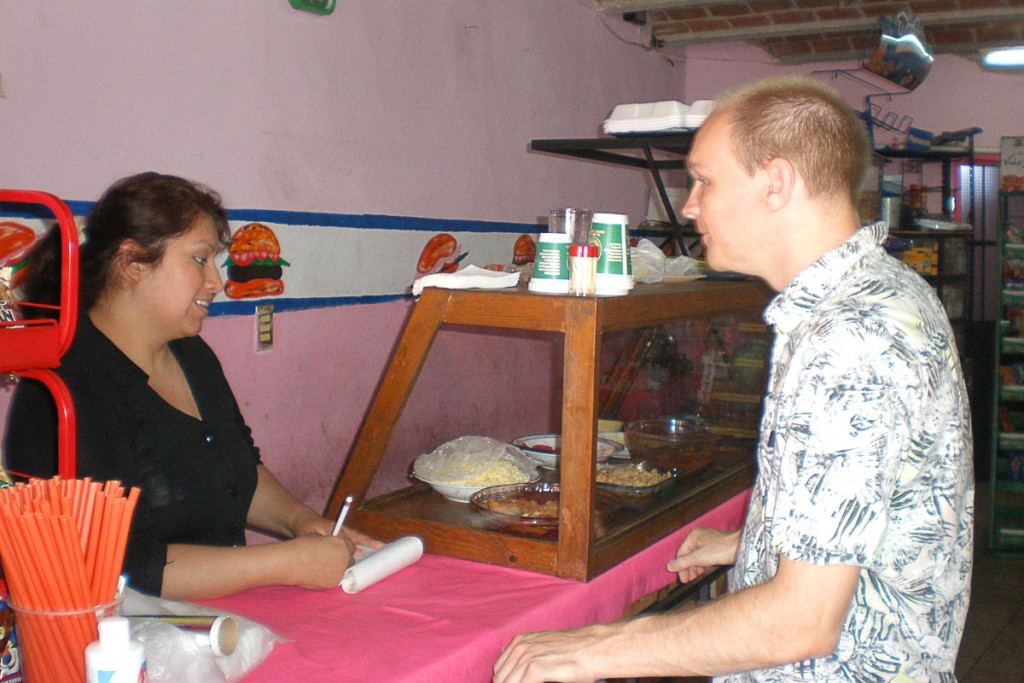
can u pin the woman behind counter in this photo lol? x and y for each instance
(154, 408)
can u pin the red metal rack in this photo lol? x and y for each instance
(32, 348)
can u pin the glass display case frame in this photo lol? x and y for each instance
(583, 544)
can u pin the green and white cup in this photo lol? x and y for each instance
(551, 265)
(610, 231)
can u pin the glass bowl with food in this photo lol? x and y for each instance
(546, 449)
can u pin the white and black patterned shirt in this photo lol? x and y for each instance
(865, 458)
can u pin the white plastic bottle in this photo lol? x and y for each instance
(115, 657)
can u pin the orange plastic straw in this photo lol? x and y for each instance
(85, 520)
(107, 578)
(117, 557)
(98, 528)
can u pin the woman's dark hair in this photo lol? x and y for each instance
(150, 209)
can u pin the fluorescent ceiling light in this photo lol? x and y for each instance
(1010, 56)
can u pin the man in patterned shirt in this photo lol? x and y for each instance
(855, 560)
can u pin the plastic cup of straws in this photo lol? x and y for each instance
(52, 643)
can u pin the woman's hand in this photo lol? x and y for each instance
(315, 525)
(311, 524)
(361, 541)
(318, 562)
(276, 510)
(703, 549)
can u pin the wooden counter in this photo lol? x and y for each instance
(446, 619)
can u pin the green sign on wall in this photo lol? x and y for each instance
(316, 6)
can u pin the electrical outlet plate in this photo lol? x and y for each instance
(264, 327)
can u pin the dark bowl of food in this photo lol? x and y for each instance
(683, 443)
(534, 504)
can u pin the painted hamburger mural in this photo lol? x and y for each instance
(254, 263)
(16, 241)
(441, 254)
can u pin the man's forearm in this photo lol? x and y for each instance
(798, 615)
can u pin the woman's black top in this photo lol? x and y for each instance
(197, 477)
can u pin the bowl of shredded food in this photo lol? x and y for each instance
(636, 477)
(459, 468)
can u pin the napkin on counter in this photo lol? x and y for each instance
(382, 563)
(470, 277)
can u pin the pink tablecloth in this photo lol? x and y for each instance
(444, 619)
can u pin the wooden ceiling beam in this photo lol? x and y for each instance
(844, 26)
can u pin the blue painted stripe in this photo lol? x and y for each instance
(380, 222)
(327, 220)
(38, 211)
(248, 307)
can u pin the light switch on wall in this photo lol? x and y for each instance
(264, 327)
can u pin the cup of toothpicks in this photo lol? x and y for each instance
(62, 545)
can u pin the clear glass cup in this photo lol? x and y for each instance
(572, 222)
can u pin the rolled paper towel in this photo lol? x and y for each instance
(382, 563)
(219, 632)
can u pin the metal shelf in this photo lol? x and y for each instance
(653, 153)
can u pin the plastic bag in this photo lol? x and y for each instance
(175, 655)
(651, 265)
(467, 458)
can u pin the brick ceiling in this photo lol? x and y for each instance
(798, 31)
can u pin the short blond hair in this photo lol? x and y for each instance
(804, 121)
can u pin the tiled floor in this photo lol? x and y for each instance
(992, 649)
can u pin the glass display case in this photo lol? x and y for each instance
(692, 352)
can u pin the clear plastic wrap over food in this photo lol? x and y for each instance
(472, 460)
(651, 265)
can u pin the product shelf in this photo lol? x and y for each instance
(1012, 392)
(1006, 535)
(1010, 441)
(1012, 345)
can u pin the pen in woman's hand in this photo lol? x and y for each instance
(342, 515)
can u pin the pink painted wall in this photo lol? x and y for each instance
(402, 107)
(398, 108)
(957, 94)
(305, 412)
